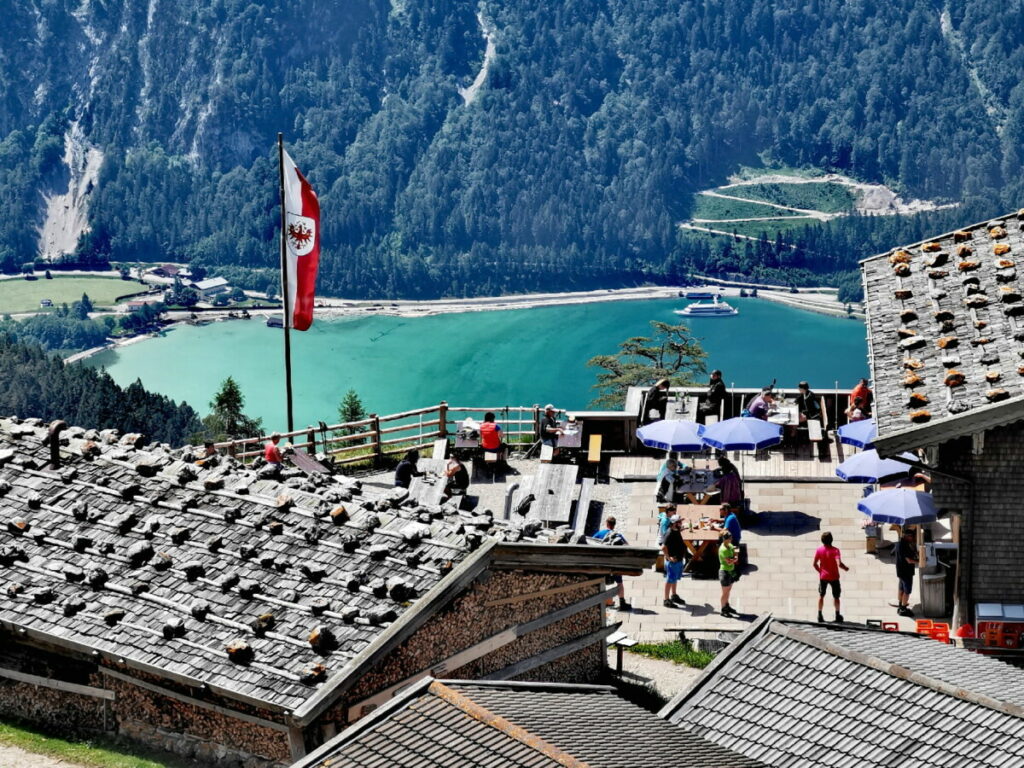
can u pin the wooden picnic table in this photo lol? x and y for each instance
(786, 414)
(697, 487)
(429, 489)
(571, 440)
(553, 488)
(702, 544)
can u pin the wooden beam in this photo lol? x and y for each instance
(544, 557)
(57, 685)
(159, 689)
(521, 667)
(544, 592)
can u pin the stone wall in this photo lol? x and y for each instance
(993, 519)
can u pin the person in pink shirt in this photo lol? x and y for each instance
(827, 562)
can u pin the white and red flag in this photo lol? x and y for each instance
(302, 238)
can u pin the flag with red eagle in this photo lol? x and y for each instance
(302, 238)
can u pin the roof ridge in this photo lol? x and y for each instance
(724, 656)
(896, 670)
(529, 685)
(510, 729)
(934, 238)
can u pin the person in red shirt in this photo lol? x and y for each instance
(827, 562)
(490, 434)
(271, 452)
(862, 391)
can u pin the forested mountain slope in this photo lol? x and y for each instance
(595, 123)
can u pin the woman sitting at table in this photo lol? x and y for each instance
(458, 477)
(729, 483)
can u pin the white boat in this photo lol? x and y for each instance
(715, 309)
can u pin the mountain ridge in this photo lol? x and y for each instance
(572, 165)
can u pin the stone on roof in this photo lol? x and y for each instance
(946, 334)
(499, 725)
(796, 694)
(247, 585)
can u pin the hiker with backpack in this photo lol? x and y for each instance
(608, 535)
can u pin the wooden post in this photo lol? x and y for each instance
(442, 419)
(311, 439)
(378, 449)
(536, 422)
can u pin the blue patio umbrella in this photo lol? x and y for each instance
(742, 433)
(869, 467)
(672, 435)
(859, 433)
(900, 506)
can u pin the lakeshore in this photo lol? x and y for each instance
(511, 357)
(818, 300)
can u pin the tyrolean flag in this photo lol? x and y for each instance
(302, 238)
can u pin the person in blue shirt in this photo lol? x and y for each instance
(609, 535)
(731, 523)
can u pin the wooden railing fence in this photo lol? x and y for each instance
(373, 438)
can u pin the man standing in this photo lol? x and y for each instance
(728, 557)
(549, 429)
(712, 405)
(609, 535)
(674, 550)
(906, 566)
(827, 562)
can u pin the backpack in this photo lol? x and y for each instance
(614, 539)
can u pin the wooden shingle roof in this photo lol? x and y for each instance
(796, 695)
(486, 724)
(946, 334)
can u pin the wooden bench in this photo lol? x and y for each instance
(594, 449)
(583, 507)
(814, 431)
(620, 640)
(547, 453)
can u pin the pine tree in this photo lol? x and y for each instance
(351, 409)
(226, 420)
(670, 353)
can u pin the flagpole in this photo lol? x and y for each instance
(284, 286)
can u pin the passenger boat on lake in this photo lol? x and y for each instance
(715, 309)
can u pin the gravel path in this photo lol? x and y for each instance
(15, 757)
(667, 677)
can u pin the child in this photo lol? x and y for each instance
(827, 562)
(727, 559)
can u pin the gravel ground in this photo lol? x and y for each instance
(667, 677)
(14, 757)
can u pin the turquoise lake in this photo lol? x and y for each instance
(494, 358)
